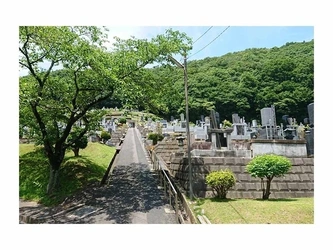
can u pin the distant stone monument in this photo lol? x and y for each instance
(235, 118)
(309, 134)
(311, 113)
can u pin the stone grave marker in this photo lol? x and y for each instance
(182, 117)
(235, 118)
(311, 113)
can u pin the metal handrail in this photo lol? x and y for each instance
(158, 164)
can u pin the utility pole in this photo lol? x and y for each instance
(190, 177)
(188, 131)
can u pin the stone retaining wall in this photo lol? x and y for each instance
(298, 182)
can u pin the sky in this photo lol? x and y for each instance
(215, 41)
(293, 20)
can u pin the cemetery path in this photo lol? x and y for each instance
(131, 196)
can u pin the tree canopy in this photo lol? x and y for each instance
(53, 101)
(241, 82)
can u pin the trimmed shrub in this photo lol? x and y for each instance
(155, 137)
(221, 181)
(105, 136)
(122, 120)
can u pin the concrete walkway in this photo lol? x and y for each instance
(132, 195)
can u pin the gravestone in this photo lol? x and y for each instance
(235, 118)
(182, 117)
(207, 121)
(202, 118)
(172, 119)
(311, 113)
(285, 120)
(309, 134)
(266, 117)
(217, 116)
(309, 137)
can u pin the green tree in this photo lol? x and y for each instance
(105, 136)
(53, 101)
(266, 167)
(77, 142)
(155, 137)
(221, 181)
(242, 82)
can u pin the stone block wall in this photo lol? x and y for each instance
(115, 136)
(165, 148)
(298, 182)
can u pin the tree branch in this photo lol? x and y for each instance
(82, 133)
(47, 144)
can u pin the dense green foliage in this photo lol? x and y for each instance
(266, 167)
(155, 137)
(105, 136)
(122, 120)
(53, 101)
(75, 172)
(80, 143)
(221, 181)
(241, 82)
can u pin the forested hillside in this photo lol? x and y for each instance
(245, 82)
(241, 82)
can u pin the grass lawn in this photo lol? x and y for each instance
(75, 172)
(26, 148)
(256, 211)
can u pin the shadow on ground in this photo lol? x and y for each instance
(130, 190)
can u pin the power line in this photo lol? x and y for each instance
(199, 38)
(210, 42)
(202, 34)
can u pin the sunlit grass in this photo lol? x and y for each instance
(26, 148)
(257, 211)
(75, 172)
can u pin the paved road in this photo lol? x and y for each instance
(132, 195)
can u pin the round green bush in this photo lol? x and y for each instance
(221, 181)
(122, 120)
(105, 136)
(155, 137)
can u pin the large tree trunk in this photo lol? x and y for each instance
(53, 180)
(55, 162)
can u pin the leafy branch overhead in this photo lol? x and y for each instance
(53, 101)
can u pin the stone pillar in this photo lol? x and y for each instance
(311, 113)
(214, 140)
(229, 141)
(309, 137)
